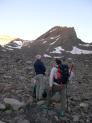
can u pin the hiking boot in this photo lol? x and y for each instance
(62, 113)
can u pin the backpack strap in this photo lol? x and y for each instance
(71, 69)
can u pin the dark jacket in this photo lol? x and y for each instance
(39, 67)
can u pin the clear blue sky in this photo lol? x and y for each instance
(31, 18)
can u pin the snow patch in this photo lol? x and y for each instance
(44, 42)
(58, 50)
(79, 51)
(57, 38)
(58, 57)
(18, 42)
(86, 45)
(52, 37)
(46, 55)
(12, 47)
(53, 42)
(53, 30)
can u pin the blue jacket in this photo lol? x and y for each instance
(39, 67)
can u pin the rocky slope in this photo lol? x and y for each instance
(16, 102)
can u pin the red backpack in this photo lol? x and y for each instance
(59, 73)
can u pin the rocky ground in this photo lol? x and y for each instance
(16, 102)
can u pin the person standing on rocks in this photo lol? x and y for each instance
(58, 79)
(40, 70)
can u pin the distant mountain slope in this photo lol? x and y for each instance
(17, 43)
(4, 39)
(57, 41)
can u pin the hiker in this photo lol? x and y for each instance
(71, 70)
(53, 75)
(59, 81)
(40, 72)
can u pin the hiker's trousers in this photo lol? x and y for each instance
(63, 98)
(62, 92)
(40, 85)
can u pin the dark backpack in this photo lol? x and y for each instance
(62, 74)
(65, 73)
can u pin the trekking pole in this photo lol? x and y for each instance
(66, 96)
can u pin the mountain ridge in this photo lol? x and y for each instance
(58, 38)
(52, 42)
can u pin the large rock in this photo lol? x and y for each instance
(15, 104)
(2, 122)
(84, 105)
(75, 118)
(40, 102)
(2, 106)
(23, 121)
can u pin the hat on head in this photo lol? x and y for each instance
(58, 62)
(38, 56)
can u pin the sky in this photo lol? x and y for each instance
(28, 19)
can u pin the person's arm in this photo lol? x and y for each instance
(34, 71)
(51, 78)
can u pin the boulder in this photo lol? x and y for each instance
(15, 104)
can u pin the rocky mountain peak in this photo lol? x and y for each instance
(59, 40)
(66, 32)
